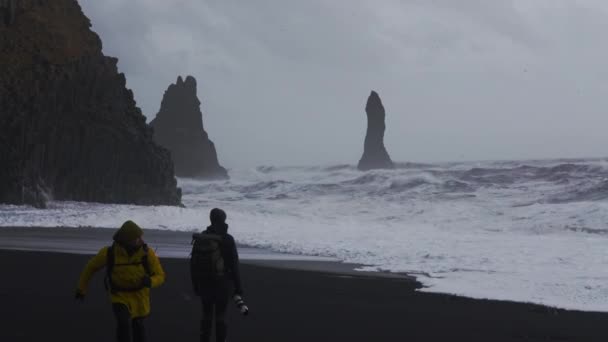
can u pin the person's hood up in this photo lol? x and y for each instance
(128, 232)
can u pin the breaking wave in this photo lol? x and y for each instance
(517, 230)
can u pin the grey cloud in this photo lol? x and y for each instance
(285, 82)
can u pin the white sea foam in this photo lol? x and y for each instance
(524, 231)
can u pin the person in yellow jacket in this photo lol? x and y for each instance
(131, 270)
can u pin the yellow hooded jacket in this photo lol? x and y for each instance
(127, 272)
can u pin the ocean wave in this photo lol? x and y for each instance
(582, 193)
(340, 167)
(367, 178)
(266, 169)
(514, 230)
(543, 182)
(263, 186)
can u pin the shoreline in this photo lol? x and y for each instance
(167, 244)
(170, 244)
(286, 304)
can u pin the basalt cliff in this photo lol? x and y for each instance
(69, 127)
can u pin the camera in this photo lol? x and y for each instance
(240, 304)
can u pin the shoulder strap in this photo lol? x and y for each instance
(109, 267)
(207, 236)
(144, 261)
(110, 259)
(110, 263)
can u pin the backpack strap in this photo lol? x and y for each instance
(144, 261)
(107, 281)
(110, 263)
(207, 236)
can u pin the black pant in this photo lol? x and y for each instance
(127, 329)
(210, 306)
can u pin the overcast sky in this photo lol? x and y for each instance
(284, 82)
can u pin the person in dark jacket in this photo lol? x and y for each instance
(214, 283)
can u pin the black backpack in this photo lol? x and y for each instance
(206, 260)
(110, 264)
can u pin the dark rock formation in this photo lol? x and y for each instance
(69, 128)
(374, 152)
(178, 126)
(7, 11)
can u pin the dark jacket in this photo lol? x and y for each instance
(229, 254)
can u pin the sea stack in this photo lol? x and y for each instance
(178, 126)
(69, 128)
(374, 152)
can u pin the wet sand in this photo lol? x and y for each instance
(172, 244)
(36, 294)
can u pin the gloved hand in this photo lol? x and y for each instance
(79, 296)
(146, 281)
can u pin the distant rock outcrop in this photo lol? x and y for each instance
(69, 128)
(178, 126)
(374, 152)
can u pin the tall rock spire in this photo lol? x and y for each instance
(374, 152)
(178, 126)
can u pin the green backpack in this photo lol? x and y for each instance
(206, 261)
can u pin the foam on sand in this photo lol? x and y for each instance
(529, 231)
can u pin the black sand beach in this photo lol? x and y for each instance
(286, 305)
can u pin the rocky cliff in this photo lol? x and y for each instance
(374, 152)
(178, 126)
(69, 128)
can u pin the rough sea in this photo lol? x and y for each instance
(531, 231)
